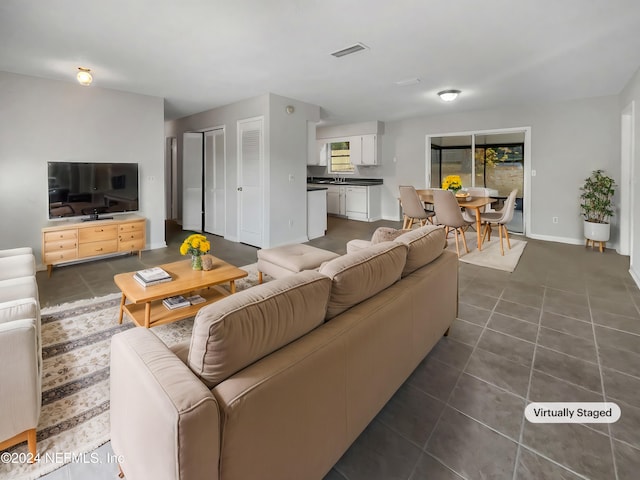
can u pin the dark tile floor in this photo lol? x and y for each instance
(564, 326)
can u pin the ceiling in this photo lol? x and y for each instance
(201, 54)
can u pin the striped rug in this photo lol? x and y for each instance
(75, 382)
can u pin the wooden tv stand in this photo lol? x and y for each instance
(69, 241)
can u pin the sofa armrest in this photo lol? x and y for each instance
(20, 377)
(356, 245)
(165, 422)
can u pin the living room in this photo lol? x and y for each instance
(577, 126)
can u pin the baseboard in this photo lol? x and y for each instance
(551, 238)
(635, 275)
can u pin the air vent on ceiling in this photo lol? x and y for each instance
(408, 81)
(358, 47)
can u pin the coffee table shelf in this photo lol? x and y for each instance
(160, 314)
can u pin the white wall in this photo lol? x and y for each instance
(568, 141)
(631, 93)
(287, 218)
(45, 120)
(285, 143)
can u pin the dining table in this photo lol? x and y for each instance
(473, 203)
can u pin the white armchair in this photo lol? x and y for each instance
(20, 361)
(11, 252)
(15, 266)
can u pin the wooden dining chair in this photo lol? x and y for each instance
(413, 208)
(448, 214)
(500, 218)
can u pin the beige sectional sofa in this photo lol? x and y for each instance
(278, 380)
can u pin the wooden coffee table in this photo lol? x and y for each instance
(145, 307)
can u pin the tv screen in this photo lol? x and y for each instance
(78, 189)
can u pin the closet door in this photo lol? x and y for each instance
(192, 182)
(250, 181)
(214, 182)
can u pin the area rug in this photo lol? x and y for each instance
(490, 255)
(76, 341)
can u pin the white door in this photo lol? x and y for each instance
(250, 185)
(214, 182)
(192, 181)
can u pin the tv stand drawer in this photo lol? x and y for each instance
(61, 235)
(131, 245)
(96, 233)
(51, 247)
(51, 258)
(92, 249)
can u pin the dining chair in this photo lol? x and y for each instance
(413, 208)
(500, 218)
(477, 192)
(448, 214)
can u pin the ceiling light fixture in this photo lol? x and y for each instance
(449, 95)
(84, 76)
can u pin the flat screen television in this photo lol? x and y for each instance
(92, 189)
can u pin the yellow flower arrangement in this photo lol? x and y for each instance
(452, 182)
(195, 245)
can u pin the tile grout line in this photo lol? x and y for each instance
(531, 370)
(604, 392)
(523, 422)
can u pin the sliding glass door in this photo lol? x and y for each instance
(494, 161)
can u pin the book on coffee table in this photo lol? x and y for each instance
(177, 301)
(151, 276)
(196, 299)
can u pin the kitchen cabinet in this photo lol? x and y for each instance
(364, 150)
(363, 203)
(319, 157)
(336, 200)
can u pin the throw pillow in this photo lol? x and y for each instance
(385, 234)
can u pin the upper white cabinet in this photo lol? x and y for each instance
(364, 150)
(319, 156)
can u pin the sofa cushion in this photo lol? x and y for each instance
(17, 266)
(359, 275)
(240, 329)
(425, 244)
(386, 234)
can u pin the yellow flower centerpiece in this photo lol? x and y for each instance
(452, 182)
(195, 245)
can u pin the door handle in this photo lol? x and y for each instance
(239, 189)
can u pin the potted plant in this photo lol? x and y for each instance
(596, 206)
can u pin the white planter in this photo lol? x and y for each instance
(597, 231)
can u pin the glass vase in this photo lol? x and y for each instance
(196, 262)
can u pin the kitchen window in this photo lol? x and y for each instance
(340, 157)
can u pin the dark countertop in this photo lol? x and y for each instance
(365, 182)
(313, 189)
